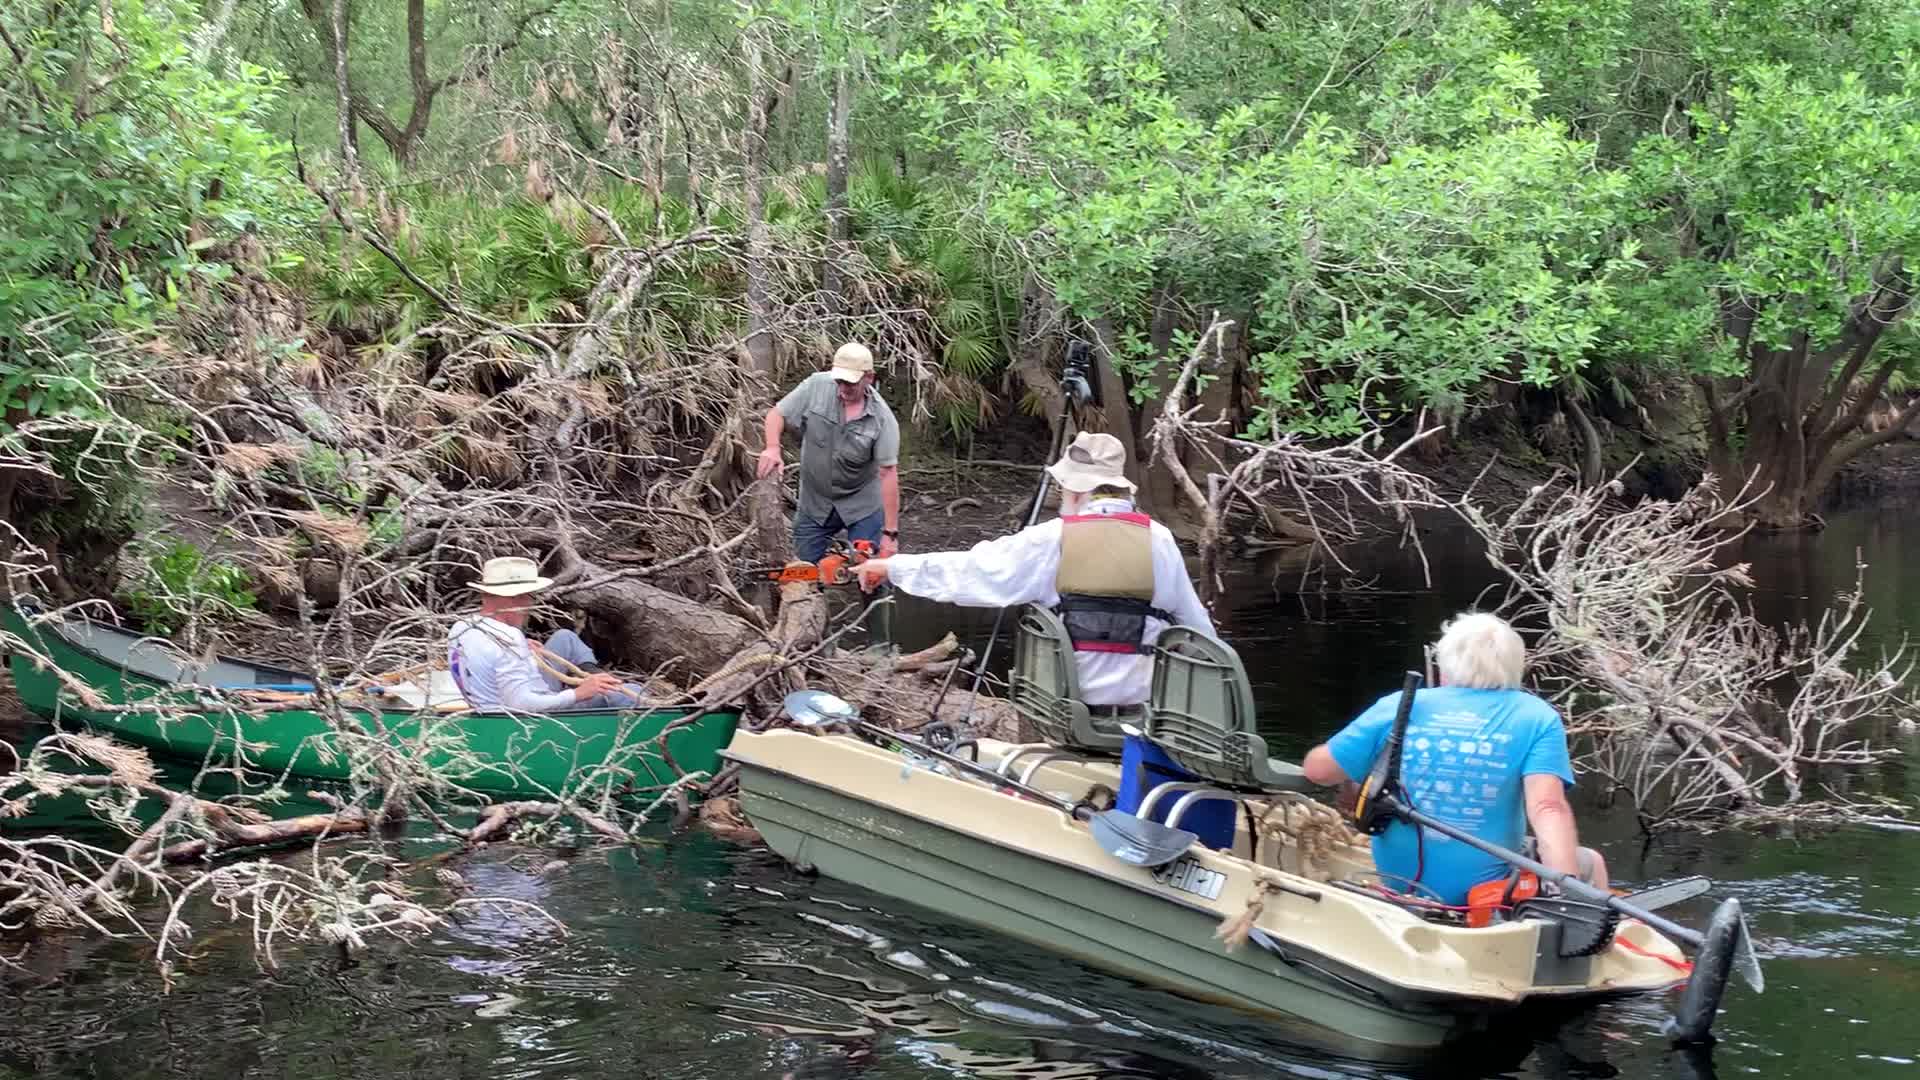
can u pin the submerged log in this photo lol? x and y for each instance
(232, 831)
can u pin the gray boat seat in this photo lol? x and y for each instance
(1201, 715)
(1045, 688)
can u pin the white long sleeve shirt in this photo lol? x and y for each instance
(1020, 569)
(493, 665)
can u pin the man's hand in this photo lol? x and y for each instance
(770, 461)
(889, 546)
(596, 684)
(872, 573)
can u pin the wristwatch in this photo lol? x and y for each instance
(895, 533)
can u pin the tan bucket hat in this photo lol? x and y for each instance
(852, 361)
(1095, 460)
(510, 576)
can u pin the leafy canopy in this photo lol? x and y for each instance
(127, 170)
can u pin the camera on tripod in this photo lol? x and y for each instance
(1077, 380)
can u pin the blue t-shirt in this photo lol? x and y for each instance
(1464, 761)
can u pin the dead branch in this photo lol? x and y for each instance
(1329, 497)
(1669, 680)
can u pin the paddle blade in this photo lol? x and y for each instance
(1746, 961)
(1137, 841)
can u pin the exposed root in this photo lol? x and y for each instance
(723, 818)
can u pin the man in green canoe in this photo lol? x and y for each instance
(493, 662)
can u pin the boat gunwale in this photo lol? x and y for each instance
(128, 673)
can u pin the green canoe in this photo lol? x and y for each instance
(500, 753)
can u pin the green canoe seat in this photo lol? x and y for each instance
(1201, 715)
(1046, 693)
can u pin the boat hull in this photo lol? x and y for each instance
(1020, 868)
(496, 753)
(1054, 907)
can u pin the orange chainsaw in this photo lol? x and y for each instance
(831, 570)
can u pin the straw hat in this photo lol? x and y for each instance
(1095, 460)
(852, 362)
(510, 576)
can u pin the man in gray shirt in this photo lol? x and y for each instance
(849, 456)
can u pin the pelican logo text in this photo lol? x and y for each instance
(1190, 877)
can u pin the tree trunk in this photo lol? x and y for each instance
(1161, 495)
(1031, 353)
(210, 34)
(1117, 409)
(769, 514)
(423, 87)
(766, 504)
(1591, 463)
(1792, 405)
(759, 236)
(343, 94)
(833, 277)
(403, 140)
(9, 537)
(657, 626)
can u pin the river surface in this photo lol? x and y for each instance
(692, 958)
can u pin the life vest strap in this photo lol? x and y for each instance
(1108, 624)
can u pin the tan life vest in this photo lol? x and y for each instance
(1105, 581)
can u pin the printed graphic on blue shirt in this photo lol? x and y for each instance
(1467, 755)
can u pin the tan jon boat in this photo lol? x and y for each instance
(1336, 960)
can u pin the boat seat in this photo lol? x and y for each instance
(1201, 715)
(1045, 688)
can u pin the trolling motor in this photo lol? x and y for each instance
(1377, 805)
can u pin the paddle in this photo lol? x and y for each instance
(1132, 840)
(1380, 802)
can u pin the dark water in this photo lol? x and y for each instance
(695, 959)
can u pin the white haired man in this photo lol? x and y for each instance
(1480, 754)
(849, 456)
(1116, 577)
(492, 660)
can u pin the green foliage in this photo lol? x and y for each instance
(1407, 205)
(177, 582)
(1809, 183)
(1554, 193)
(126, 169)
(914, 230)
(1496, 275)
(1453, 238)
(1102, 146)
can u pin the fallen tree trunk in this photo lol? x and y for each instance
(231, 832)
(658, 627)
(496, 818)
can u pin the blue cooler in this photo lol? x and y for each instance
(1144, 767)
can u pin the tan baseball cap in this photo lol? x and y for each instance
(852, 362)
(1095, 460)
